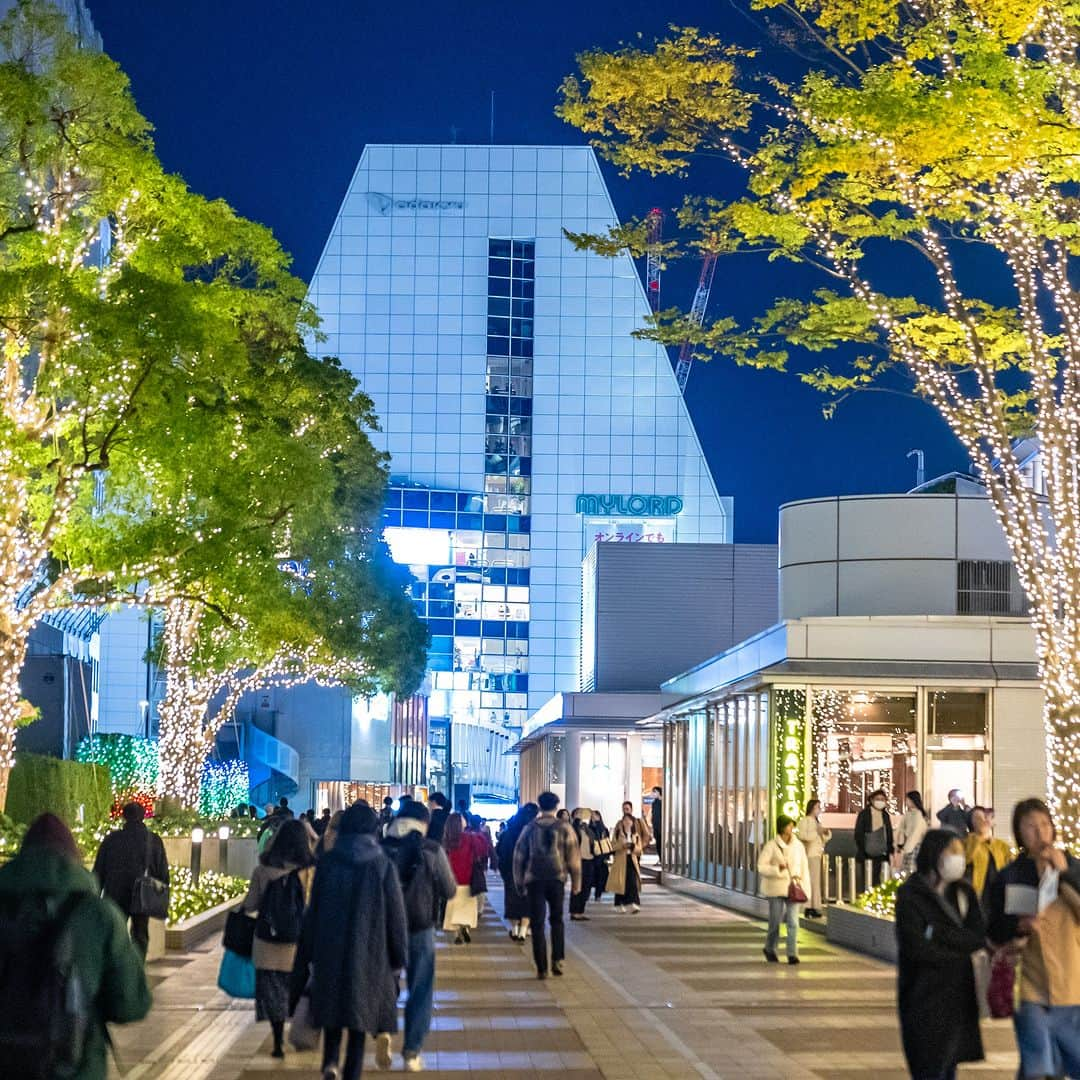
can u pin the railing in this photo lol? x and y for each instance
(842, 884)
(279, 756)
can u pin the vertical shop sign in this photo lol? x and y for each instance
(790, 753)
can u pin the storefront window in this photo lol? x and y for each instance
(862, 741)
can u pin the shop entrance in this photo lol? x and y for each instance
(963, 769)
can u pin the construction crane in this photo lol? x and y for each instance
(697, 317)
(654, 222)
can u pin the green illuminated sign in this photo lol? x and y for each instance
(650, 505)
(791, 753)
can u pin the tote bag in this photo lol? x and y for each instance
(236, 976)
(149, 895)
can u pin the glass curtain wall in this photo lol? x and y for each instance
(717, 765)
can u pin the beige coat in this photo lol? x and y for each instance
(814, 836)
(1050, 965)
(271, 955)
(639, 833)
(774, 879)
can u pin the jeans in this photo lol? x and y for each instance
(420, 976)
(549, 895)
(354, 1053)
(779, 911)
(140, 933)
(579, 899)
(1049, 1039)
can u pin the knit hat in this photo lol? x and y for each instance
(48, 831)
(359, 818)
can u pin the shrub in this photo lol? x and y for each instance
(39, 784)
(186, 899)
(880, 900)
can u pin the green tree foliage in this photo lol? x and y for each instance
(923, 161)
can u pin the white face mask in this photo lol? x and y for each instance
(878, 804)
(952, 867)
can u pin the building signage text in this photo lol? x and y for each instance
(623, 505)
(413, 204)
(791, 753)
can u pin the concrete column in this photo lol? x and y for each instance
(572, 769)
(633, 771)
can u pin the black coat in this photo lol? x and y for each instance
(437, 824)
(862, 830)
(515, 904)
(1021, 871)
(656, 819)
(123, 856)
(424, 874)
(355, 939)
(939, 1012)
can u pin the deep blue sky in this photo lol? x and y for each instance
(269, 104)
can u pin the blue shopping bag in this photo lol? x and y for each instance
(236, 976)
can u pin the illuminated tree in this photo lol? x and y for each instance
(922, 158)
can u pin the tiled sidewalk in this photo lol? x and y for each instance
(680, 990)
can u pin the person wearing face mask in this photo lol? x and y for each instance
(939, 927)
(814, 836)
(874, 835)
(782, 863)
(1034, 915)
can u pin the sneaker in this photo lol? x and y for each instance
(466, 935)
(619, 909)
(793, 960)
(330, 1073)
(383, 1058)
(556, 969)
(413, 1063)
(635, 908)
(771, 956)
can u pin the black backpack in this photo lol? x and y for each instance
(281, 910)
(46, 1014)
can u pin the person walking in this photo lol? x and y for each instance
(545, 854)
(781, 864)
(330, 834)
(279, 889)
(581, 819)
(515, 903)
(322, 822)
(425, 877)
(986, 855)
(656, 819)
(913, 827)
(354, 942)
(463, 849)
(124, 856)
(439, 805)
(814, 837)
(602, 864)
(939, 927)
(47, 896)
(874, 835)
(955, 815)
(386, 814)
(628, 841)
(1034, 915)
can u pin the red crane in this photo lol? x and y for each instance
(654, 221)
(697, 316)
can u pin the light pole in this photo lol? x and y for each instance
(196, 855)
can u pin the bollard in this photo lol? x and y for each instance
(223, 849)
(852, 866)
(196, 855)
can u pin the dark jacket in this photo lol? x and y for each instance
(424, 874)
(355, 938)
(123, 856)
(437, 825)
(110, 967)
(515, 904)
(955, 818)
(1021, 871)
(656, 819)
(862, 831)
(939, 1012)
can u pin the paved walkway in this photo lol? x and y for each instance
(680, 990)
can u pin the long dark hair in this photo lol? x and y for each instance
(291, 846)
(930, 850)
(453, 832)
(916, 800)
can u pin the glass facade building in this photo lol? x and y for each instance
(523, 421)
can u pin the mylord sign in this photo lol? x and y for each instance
(384, 204)
(612, 505)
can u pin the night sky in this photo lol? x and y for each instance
(268, 105)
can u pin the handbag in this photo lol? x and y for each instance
(603, 846)
(478, 878)
(149, 895)
(1001, 991)
(795, 893)
(239, 935)
(303, 1034)
(236, 976)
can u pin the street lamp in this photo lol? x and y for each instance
(223, 849)
(196, 855)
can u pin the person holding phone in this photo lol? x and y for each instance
(1034, 916)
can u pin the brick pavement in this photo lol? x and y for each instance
(680, 990)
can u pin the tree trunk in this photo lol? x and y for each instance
(1061, 718)
(12, 657)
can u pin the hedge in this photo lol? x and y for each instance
(39, 783)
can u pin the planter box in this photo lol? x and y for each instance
(242, 854)
(861, 931)
(184, 935)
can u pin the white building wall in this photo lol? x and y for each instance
(1019, 750)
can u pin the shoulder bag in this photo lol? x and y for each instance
(795, 893)
(239, 936)
(149, 895)
(478, 878)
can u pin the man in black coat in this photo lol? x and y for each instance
(440, 811)
(124, 856)
(656, 820)
(874, 835)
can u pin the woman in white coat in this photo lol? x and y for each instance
(814, 837)
(781, 863)
(912, 830)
